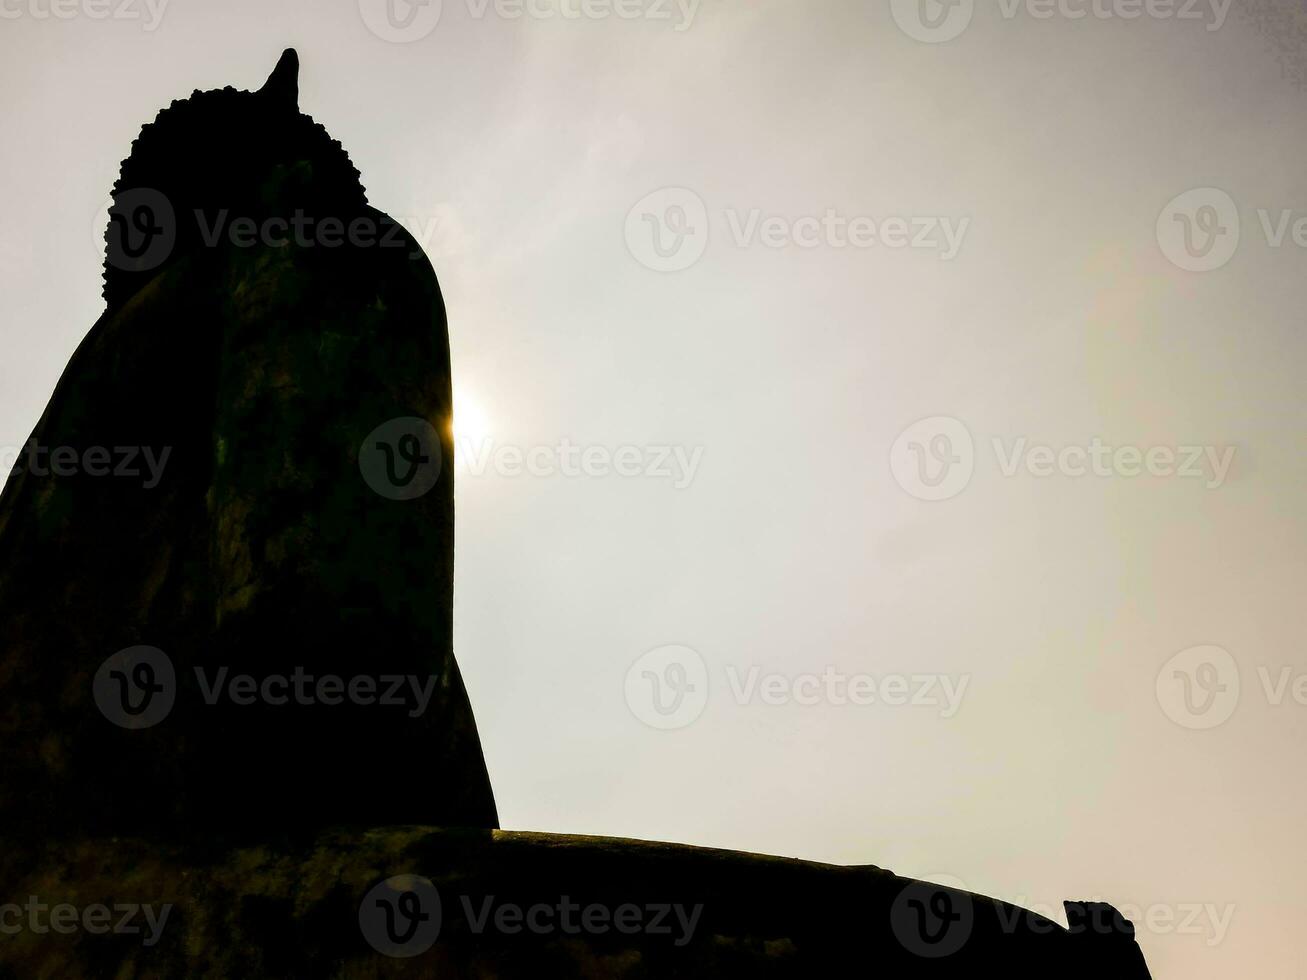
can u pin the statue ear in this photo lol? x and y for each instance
(284, 82)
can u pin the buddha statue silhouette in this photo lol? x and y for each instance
(253, 633)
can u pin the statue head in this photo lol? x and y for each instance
(216, 157)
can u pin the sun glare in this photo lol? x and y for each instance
(471, 426)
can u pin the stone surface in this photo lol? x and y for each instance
(293, 909)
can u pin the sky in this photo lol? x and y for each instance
(880, 423)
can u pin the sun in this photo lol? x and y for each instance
(471, 425)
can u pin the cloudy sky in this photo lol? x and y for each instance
(881, 423)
